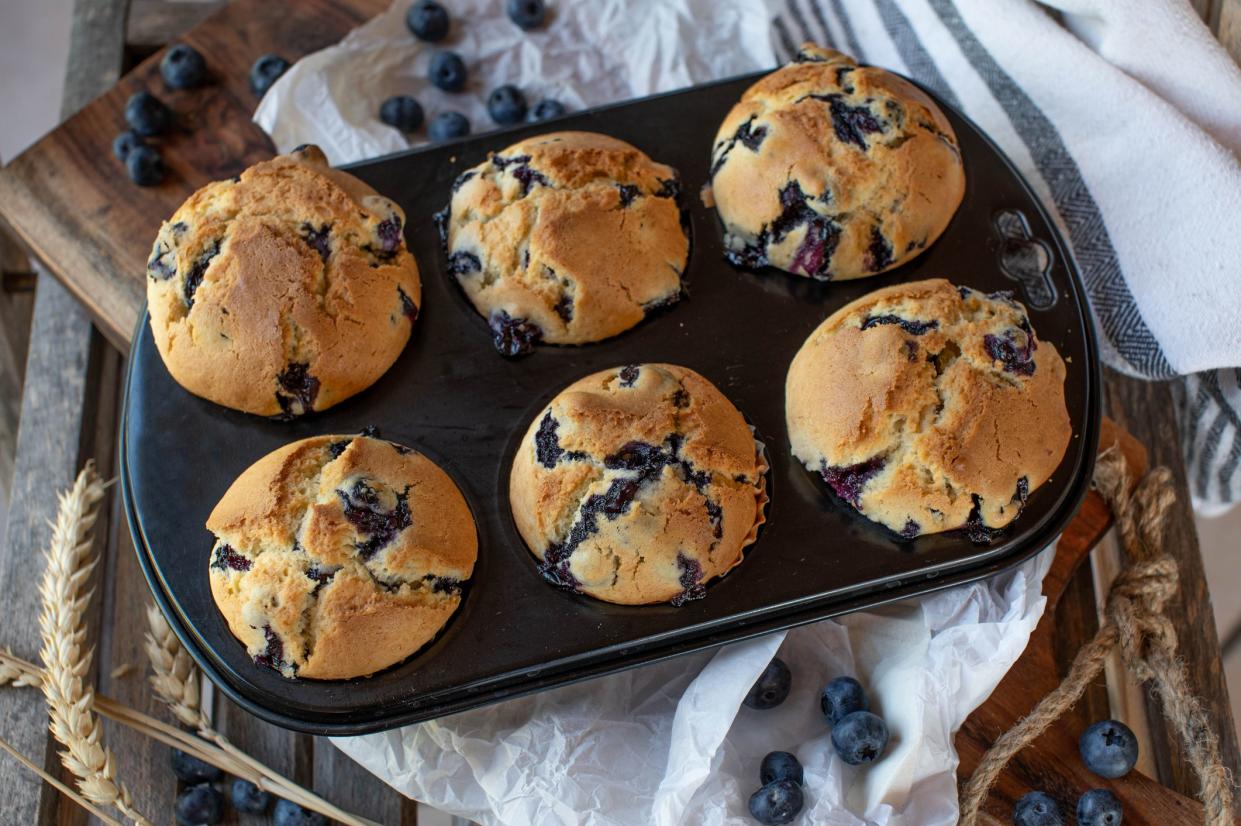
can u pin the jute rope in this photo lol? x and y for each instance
(1134, 621)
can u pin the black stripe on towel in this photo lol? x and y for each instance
(1110, 297)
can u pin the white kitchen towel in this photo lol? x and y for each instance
(1125, 120)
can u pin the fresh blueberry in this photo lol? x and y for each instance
(427, 20)
(401, 112)
(266, 71)
(145, 166)
(546, 109)
(1109, 748)
(249, 798)
(183, 67)
(529, 14)
(146, 114)
(192, 770)
(447, 126)
(777, 802)
(771, 687)
(506, 105)
(1099, 807)
(447, 71)
(841, 697)
(1037, 809)
(290, 814)
(780, 765)
(199, 805)
(125, 143)
(860, 738)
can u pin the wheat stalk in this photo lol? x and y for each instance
(52, 781)
(66, 657)
(226, 757)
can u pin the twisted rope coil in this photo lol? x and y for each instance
(1134, 621)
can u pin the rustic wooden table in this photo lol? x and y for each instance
(60, 198)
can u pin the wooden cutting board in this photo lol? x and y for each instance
(1052, 763)
(69, 199)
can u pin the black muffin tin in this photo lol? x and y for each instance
(453, 397)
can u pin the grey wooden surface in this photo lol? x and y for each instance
(56, 407)
(56, 434)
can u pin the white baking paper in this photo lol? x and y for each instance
(668, 743)
(590, 52)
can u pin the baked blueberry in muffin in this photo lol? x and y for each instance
(338, 556)
(832, 170)
(929, 408)
(565, 238)
(638, 485)
(284, 291)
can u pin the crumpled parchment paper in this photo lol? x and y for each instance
(672, 742)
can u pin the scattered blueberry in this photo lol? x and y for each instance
(427, 20)
(192, 770)
(146, 114)
(145, 166)
(546, 109)
(266, 71)
(506, 105)
(183, 67)
(401, 112)
(447, 126)
(447, 71)
(249, 798)
(290, 814)
(772, 686)
(125, 143)
(841, 697)
(199, 805)
(528, 14)
(1099, 807)
(1109, 748)
(777, 802)
(1037, 809)
(780, 765)
(860, 738)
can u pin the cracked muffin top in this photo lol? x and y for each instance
(833, 170)
(285, 290)
(338, 556)
(929, 407)
(638, 485)
(565, 238)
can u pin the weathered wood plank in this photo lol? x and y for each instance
(1228, 27)
(49, 450)
(96, 49)
(68, 199)
(56, 433)
(16, 310)
(1145, 409)
(153, 24)
(356, 790)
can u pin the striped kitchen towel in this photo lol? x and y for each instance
(1126, 119)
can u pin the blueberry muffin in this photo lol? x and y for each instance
(283, 291)
(565, 238)
(833, 170)
(338, 556)
(638, 485)
(929, 407)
